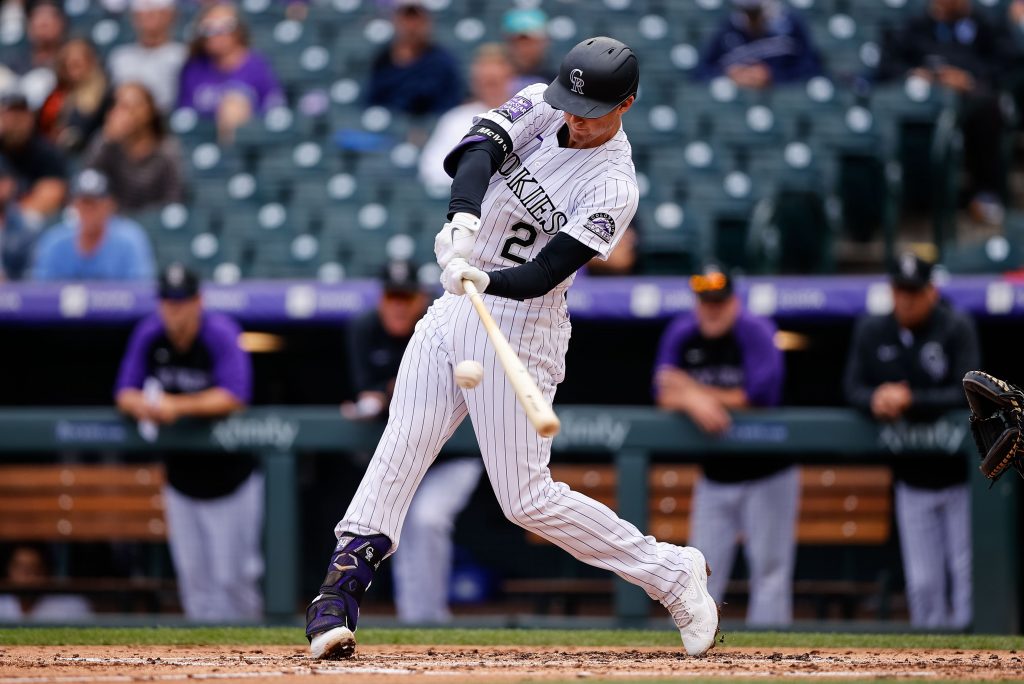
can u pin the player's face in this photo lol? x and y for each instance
(715, 319)
(181, 319)
(399, 312)
(911, 308)
(586, 133)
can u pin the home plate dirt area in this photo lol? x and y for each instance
(24, 664)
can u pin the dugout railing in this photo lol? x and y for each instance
(632, 436)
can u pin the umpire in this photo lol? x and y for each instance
(186, 362)
(908, 365)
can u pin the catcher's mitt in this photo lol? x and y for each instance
(997, 419)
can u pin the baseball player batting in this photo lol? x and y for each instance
(540, 186)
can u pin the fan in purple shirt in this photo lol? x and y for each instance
(223, 78)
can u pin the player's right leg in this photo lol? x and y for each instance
(425, 410)
(516, 459)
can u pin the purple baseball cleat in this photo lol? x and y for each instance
(331, 617)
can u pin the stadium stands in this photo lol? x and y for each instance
(728, 173)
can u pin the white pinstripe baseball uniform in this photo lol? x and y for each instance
(539, 190)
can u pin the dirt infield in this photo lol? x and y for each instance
(385, 664)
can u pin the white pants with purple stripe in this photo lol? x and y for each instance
(764, 513)
(935, 539)
(427, 407)
(216, 547)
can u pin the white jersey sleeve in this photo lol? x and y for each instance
(602, 212)
(524, 116)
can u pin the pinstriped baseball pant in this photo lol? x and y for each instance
(935, 541)
(428, 406)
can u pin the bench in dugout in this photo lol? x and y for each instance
(841, 506)
(85, 504)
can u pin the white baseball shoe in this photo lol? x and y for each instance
(334, 644)
(696, 613)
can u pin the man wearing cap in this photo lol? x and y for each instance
(377, 340)
(155, 59)
(183, 362)
(41, 170)
(17, 237)
(760, 43)
(526, 39)
(908, 365)
(716, 360)
(413, 75)
(96, 244)
(540, 186)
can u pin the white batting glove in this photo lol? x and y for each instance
(456, 238)
(457, 269)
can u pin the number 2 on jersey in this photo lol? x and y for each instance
(523, 235)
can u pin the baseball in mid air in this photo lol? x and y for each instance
(468, 374)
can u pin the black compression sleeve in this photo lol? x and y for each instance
(558, 260)
(476, 166)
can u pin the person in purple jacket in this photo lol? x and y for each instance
(224, 78)
(759, 44)
(186, 362)
(716, 360)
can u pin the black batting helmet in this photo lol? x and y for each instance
(595, 77)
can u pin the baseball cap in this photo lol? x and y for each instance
(90, 183)
(524, 22)
(595, 77)
(712, 284)
(147, 5)
(911, 272)
(13, 99)
(177, 282)
(409, 4)
(399, 277)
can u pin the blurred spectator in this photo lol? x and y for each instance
(96, 245)
(760, 43)
(186, 362)
(377, 340)
(223, 78)
(908, 365)
(1016, 11)
(526, 39)
(953, 46)
(155, 59)
(136, 153)
(716, 360)
(40, 169)
(17, 238)
(413, 75)
(28, 570)
(491, 84)
(46, 28)
(74, 111)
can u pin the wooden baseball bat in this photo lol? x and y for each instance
(539, 411)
